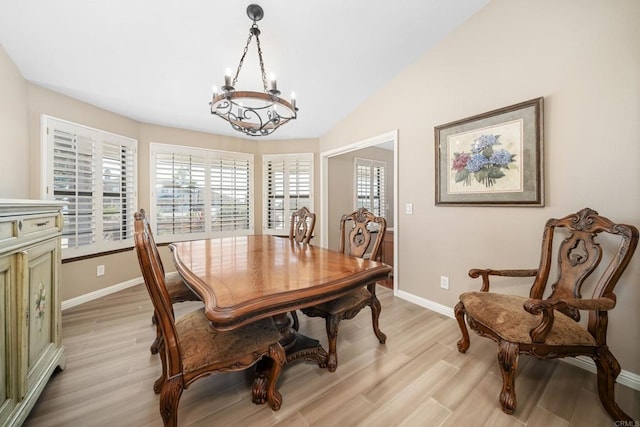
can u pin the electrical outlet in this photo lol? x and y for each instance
(100, 270)
(444, 282)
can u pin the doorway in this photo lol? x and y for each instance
(335, 180)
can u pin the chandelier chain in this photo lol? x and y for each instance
(264, 75)
(244, 53)
(254, 31)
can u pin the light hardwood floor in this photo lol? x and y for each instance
(417, 379)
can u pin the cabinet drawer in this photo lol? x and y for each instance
(38, 225)
(8, 230)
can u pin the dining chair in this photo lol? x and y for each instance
(303, 222)
(547, 327)
(361, 235)
(177, 289)
(191, 349)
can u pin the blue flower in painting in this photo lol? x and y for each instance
(476, 162)
(485, 141)
(500, 158)
(483, 163)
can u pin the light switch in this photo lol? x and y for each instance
(408, 208)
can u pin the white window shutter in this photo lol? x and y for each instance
(288, 186)
(370, 186)
(95, 174)
(200, 193)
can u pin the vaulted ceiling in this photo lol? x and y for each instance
(156, 61)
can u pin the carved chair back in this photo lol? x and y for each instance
(154, 280)
(147, 228)
(303, 222)
(362, 233)
(579, 255)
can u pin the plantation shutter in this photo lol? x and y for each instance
(370, 185)
(200, 193)
(74, 183)
(230, 194)
(118, 190)
(288, 183)
(180, 190)
(94, 173)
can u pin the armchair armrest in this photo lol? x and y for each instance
(476, 272)
(547, 306)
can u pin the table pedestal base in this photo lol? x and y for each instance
(297, 346)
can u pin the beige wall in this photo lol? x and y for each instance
(14, 131)
(584, 58)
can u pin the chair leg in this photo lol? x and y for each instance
(169, 400)
(508, 361)
(608, 370)
(159, 383)
(375, 316)
(332, 323)
(156, 343)
(277, 353)
(463, 344)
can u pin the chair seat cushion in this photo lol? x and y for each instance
(506, 316)
(178, 290)
(347, 302)
(204, 346)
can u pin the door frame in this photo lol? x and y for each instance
(387, 137)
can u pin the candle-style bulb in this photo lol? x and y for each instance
(227, 77)
(274, 84)
(293, 100)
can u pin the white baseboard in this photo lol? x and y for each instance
(100, 293)
(627, 378)
(423, 302)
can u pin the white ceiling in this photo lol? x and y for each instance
(155, 61)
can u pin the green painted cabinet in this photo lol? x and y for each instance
(30, 331)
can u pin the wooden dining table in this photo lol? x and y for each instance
(242, 279)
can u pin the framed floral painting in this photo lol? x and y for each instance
(492, 159)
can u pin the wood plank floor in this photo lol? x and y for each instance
(417, 379)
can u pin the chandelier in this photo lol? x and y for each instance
(253, 113)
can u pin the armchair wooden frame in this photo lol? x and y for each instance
(548, 328)
(191, 349)
(354, 231)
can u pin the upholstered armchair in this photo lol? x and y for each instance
(547, 327)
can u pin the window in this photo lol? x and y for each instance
(94, 172)
(198, 193)
(370, 184)
(288, 186)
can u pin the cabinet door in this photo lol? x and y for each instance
(8, 386)
(40, 299)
